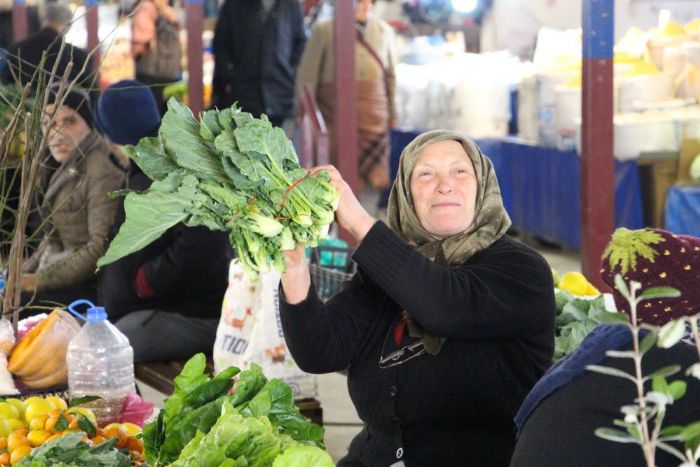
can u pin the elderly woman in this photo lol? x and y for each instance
(76, 208)
(448, 322)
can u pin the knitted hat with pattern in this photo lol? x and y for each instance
(655, 258)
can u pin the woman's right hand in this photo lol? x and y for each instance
(351, 215)
(296, 278)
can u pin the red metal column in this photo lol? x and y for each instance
(597, 162)
(19, 20)
(345, 96)
(195, 87)
(93, 26)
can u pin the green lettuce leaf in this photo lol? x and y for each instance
(303, 456)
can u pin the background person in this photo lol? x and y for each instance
(375, 61)
(77, 212)
(23, 58)
(446, 325)
(257, 48)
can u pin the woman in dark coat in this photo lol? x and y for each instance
(448, 322)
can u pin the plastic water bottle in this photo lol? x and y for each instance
(100, 363)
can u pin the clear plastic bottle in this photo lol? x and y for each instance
(100, 363)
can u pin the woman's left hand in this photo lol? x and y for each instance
(28, 283)
(350, 214)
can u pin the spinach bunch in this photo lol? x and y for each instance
(197, 405)
(70, 451)
(576, 317)
(229, 172)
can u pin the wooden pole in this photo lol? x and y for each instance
(19, 20)
(93, 26)
(195, 87)
(345, 96)
(597, 162)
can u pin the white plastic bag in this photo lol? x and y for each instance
(250, 331)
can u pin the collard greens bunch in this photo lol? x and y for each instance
(228, 172)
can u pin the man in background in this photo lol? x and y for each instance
(257, 47)
(23, 58)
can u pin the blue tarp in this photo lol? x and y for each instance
(540, 187)
(683, 210)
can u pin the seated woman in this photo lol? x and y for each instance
(77, 211)
(558, 419)
(448, 322)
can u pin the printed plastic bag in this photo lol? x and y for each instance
(250, 331)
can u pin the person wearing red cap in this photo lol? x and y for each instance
(557, 421)
(77, 211)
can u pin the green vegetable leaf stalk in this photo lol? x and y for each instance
(230, 172)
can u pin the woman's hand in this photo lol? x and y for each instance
(350, 214)
(296, 279)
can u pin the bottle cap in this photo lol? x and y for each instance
(94, 313)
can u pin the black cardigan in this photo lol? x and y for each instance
(456, 408)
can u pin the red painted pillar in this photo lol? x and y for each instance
(93, 26)
(19, 20)
(195, 87)
(597, 162)
(345, 96)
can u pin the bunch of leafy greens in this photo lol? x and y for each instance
(576, 317)
(70, 451)
(236, 440)
(228, 172)
(196, 406)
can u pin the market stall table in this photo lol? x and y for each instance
(540, 187)
(683, 210)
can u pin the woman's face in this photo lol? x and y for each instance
(443, 188)
(69, 129)
(363, 10)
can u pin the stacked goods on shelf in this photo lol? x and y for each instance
(656, 89)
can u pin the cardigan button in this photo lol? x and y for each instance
(393, 391)
(399, 453)
(397, 422)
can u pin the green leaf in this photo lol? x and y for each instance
(86, 425)
(621, 286)
(148, 216)
(659, 384)
(659, 292)
(691, 431)
(648, 342)
(670, 431)
(677, 389)
(61, 423)
(672, 332)
(614, 318)
(209, 125)
(82, 400)
(664, 372)
(615, 435)
(151, 158)
(179, 132)
(620, 353)
(213, 389)
(610, 371)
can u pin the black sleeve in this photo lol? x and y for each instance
(325, 337)
(223, 50)
(299, 35)
(503, 291)
(192, 250)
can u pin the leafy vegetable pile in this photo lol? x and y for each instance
(231, 172)
(70, 451)
(202, 424)
(576, 317)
